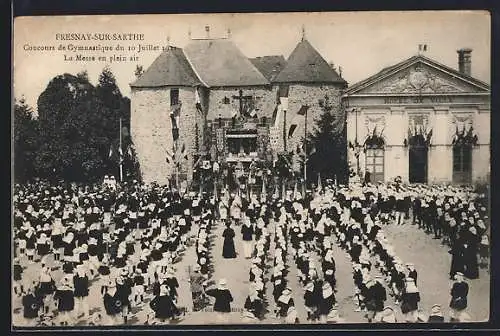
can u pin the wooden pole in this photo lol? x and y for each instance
(305, 154)
(121, 153)
(284, 131)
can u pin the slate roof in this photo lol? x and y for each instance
(171, 68)
(219, 63)
(387, 71)
(306, 65)
(269, 66)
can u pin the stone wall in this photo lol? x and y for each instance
(440, 159)
(264, 99)
(303, 94)
(151, 130)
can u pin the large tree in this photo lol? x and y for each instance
(328, 144)
(25, 141)
(79, 124)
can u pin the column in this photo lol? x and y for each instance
(481, 152)
(396, 158)
(440, 165)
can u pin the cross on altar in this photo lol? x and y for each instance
(242, 99)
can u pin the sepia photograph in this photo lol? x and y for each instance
(258, 168)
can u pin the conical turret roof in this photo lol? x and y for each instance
(171, 68)
(306, 65)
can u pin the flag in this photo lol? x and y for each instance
(130, 151)
(197, 100)
(312, 151)
(121, 154)
(110, 151)
(253, 113)
(183, 153)
(320, 185)
(295, 122)
(169, 157)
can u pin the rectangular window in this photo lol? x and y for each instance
(462, 164)
(283, 90)
(174, 97)
(375, 164)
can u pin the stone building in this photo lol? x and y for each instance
(422, 121)
(208, 101)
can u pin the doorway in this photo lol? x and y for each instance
(418, 160)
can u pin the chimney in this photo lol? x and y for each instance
(207, 30)
(464, 61)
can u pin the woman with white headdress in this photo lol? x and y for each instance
(112, 303)
(247, 235)
(69, 246)
(409, 300)
(46, 287)
(285, 301)
(30, 243)
(31, 307)
(235, 209)
(65, 300)
(163, 307)
(223, 299)
(326, 302)
(253, 304)
(484, 250)
(57, 236)
(311, 302)
(43, 247)
(81, 291)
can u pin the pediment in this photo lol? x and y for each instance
(419, 77)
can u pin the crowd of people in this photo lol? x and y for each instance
(127, 239)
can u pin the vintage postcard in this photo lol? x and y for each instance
(278, 168)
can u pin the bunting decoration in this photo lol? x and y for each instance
(419, 131)
(464, 137)
(177, 156)
(464, 131)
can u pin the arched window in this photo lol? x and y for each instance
(374, 158)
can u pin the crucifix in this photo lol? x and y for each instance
(242, 99)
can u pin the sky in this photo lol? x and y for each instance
(361, 43)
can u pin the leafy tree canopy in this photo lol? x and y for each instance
(77, 130)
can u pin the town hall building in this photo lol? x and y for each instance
(422, 121)
(208, 101)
